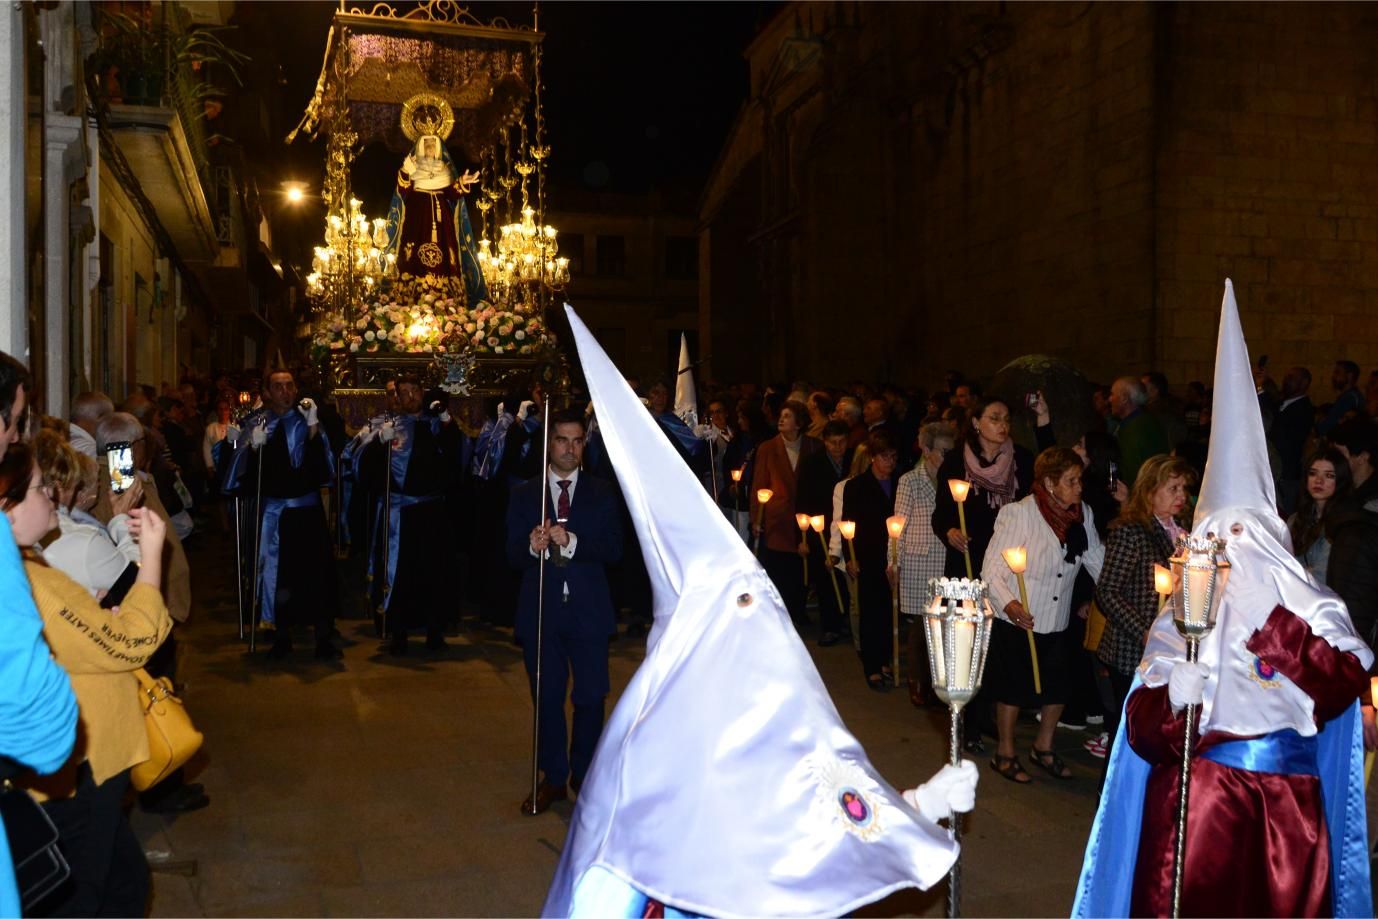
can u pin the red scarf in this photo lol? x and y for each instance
(1061, 519)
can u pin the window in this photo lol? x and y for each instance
(572, 248)
(681, 258)
(612, 256)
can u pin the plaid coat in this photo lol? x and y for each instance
(1125, 592)
(922, 555)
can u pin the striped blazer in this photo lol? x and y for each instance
(1049, 578)
(1125, 591)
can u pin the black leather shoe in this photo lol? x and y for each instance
(546, 795)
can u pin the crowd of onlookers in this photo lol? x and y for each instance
(1113, 501)
(810, 476)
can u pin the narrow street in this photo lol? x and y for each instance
(381, 786)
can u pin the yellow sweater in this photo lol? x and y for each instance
(100, 650)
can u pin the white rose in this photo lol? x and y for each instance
(498, 349)
(369, 336)
(427, 348)
(361, 324)
(354, 346)
(470, 327)
(519, 335)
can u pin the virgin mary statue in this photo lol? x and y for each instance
(428, 224)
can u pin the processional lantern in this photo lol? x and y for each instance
(957, 625)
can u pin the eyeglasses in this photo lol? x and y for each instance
(47, 490)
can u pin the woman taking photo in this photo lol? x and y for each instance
(1328, 485)
(1141, 537)
(1058, 534)
(99, 648)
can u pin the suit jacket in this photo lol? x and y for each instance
(815, 480)
(772, 470)
(1291, 428)
(594, 520)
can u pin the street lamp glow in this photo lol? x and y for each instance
(295, 194)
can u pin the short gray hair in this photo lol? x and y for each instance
(930, 434)
(117, 427)
(91, 407)
(1132, 389)
(850, 406)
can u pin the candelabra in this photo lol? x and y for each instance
(352, 263)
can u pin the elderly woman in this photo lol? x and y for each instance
(1058, 533)
(1141, 536)
(99, 649)
(922, 555)
(93, 554)
(774, 468)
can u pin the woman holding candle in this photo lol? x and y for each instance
(774, 523)
(1057, 534)
(868, 500)
(1140, 539)
(921, 554)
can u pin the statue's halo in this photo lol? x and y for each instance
(427, 113)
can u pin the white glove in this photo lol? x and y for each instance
(307, 407)
(232, 434)
(259, 436)
(387, 432)
(703, 431)
(445, 417)
(951, 790)
(1187, 684)
(524, 410)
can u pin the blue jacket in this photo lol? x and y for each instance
(595, 520)
(38, 712)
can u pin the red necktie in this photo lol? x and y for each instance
(562, 507)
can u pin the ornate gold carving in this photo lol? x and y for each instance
(427, 113)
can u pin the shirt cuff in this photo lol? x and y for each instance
(567, 550)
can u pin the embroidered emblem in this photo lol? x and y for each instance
(430, 255)
(1262, 673)
(846, 796)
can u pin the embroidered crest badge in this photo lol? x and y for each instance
(847, 797)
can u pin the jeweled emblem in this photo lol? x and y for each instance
(854, 806)
(430, 255)
(1264, 674)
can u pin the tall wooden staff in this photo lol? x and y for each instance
(540, 609)
(258, 535)
(385, 528)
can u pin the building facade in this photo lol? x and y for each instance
(956, 185)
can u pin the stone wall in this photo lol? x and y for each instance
(1266, 173)
(956, 185)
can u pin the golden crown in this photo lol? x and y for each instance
(427, 113)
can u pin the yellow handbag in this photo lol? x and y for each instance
(172, 738)
(1095, 628)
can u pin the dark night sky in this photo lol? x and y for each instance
(639, 95)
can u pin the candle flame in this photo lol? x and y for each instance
(895, 525)
(764, 495)
(1017, 557)
(847, 528)
(1162, 580)
(959, 489)
(1373, 690)
(816, 522)
(736, 475)
(803, 521)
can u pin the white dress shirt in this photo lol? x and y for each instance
(553, 479)
(1048, 577)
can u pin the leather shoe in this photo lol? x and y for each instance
(916, 696)
(187, 798)
(546, 795)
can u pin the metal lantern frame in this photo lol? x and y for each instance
(956, 602)
(1200, 571)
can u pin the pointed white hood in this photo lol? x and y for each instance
(686, 397)
(724, 783)
(1238, 504)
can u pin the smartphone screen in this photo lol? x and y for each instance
(120, 457)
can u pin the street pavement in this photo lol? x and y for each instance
(380, 786)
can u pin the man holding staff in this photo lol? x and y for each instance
(566, 625)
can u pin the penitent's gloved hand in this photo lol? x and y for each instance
(951, 790)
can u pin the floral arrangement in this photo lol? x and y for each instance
(432, 323)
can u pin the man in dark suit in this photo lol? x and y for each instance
(1291, 427)
(579, 536)
(869, 500)
(819, 474)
